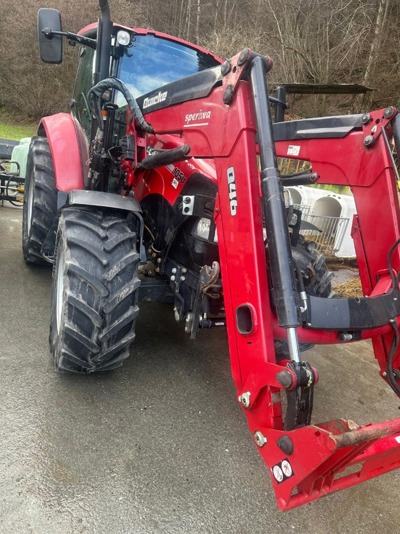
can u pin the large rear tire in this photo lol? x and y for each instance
(95, 290)
(40, 201)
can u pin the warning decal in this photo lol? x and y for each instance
(293, 150)
(282, 471)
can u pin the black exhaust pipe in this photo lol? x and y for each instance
(104, 32)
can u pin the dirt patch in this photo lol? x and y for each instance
(337, 265)
(351, 288)
(346, 281)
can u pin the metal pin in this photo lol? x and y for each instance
(293, 343)
(260, 439)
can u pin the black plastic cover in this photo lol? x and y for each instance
(198, 85)
(317, 128)
(6, 148)
(353, 313)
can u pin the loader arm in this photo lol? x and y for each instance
(306, 461)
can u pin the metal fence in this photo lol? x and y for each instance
(329, 232)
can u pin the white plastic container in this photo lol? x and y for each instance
(20, 155)
(322, 203)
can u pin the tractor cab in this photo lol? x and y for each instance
(143, 59)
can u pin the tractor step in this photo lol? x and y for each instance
(313, 461)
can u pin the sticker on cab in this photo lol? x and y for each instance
(293, 150)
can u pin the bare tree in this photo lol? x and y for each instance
(198, 13)
(30, 88)
(309, 40)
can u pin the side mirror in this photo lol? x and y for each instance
(50, 42)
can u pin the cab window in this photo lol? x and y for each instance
(153, 61)
(83, 83)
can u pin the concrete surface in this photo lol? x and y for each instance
(161, 445)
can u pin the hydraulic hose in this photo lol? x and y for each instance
(114, 83)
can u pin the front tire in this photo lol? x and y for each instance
(317, 281)
(40, 201)
(95, 290)
(316, 276)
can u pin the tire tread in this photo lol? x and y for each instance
(101, 291)
(40, 175)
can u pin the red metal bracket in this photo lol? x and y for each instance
(233, 71)
(268, 375)
(342, 455)
(375, 122)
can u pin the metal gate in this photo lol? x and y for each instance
(330, 233)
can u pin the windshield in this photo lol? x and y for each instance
(155, 61)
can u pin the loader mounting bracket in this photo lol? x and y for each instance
(342, 455)
(300, 399)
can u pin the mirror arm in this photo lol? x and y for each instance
(87, 41)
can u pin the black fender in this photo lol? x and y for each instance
(99, 199)
(95, 199)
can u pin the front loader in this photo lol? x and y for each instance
(163, 185)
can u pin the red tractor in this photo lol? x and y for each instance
(163, 185)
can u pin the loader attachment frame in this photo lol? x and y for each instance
(306, 461)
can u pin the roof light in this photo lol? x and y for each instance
(123, 38)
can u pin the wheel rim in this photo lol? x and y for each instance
(59, 289)
(29, 203)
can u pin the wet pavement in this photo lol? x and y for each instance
(161, 445)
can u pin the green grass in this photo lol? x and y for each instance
(12, 130)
